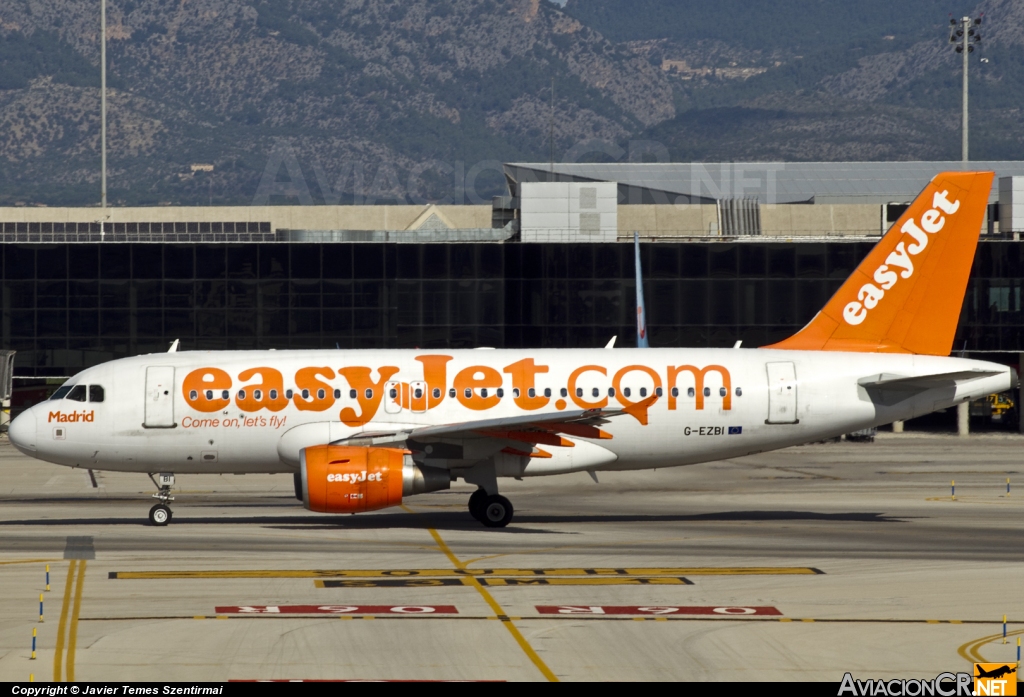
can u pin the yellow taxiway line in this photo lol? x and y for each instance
(506, 621)
(72, 638)
(970, 651)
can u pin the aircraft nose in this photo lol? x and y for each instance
(22, 432)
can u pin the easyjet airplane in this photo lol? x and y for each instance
(360, 430)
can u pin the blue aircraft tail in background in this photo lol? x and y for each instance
(641, 311)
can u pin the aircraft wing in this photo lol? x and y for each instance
(532, 429)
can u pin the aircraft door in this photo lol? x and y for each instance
(418, 396)
(393, 397)
(159, 412)
(781, 393)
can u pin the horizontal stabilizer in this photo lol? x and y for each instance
(895, 382)
(886, 389)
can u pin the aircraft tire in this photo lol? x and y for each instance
(497, 511)
(297, 478)
(159, 515)
(476, 504)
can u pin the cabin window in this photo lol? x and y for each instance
(417, 393)
(690, 392)
(305, 394)
(209, 395)
(611, 391)
(369, 393)
(579, 391)
(273, 395)
(722, 392)
(594, 392)
(515, 391)
(352, 394)
(193, 395)
(564, 392)
(483, 392)
(500, 392)
(95, 393)
(625, 391)
(288, 394)
(547, 391)
(437, 393)
(707, 391)
(257, 395)
(321, 394)
(393, 393)
(643, 391)
(531, 393)
(241, 394)
(223, 395)
(451, 393)
(337, 393)
(658, 391)
(675, 391)
(739, 391)
(468, 392)
(77, 393)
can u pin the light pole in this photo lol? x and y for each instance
(103, 117)
(964, 33)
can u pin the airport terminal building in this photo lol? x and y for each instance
(727, 256)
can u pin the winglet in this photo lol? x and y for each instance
(906, 296)
(638, 410)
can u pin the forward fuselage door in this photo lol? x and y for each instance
(393, 397)
(159, 397)
(782, 398)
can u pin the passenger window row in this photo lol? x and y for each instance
(417, 393)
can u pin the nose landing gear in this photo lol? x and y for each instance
(160, 514)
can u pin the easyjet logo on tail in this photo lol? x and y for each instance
(900, 262)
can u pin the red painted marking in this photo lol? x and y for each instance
(336, 610)
(659, 610)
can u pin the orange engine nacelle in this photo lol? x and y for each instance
(345, 479)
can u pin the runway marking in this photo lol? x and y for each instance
(721, 610)
(28, 561)
(493, 582)
(59, 649)
(493, 604)
(336, 609)
(73, 630)
(464, 571)
(970, 651)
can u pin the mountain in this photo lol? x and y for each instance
(413, 100)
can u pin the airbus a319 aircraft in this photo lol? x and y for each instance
(361, 430)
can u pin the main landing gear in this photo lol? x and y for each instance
(494, 511)
(160, 514)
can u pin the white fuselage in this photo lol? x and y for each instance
(148, 420)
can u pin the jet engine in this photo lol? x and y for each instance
(349, 479)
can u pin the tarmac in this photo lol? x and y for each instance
(801, 564)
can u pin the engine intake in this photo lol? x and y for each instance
(348, 479)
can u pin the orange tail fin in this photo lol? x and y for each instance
(905, 297)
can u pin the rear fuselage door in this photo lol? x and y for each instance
(159, 397)
(781, 393)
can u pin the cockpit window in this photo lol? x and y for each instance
(61, 391)
(95, 393)
(77, 393)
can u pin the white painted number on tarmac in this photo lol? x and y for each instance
(734, 610)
